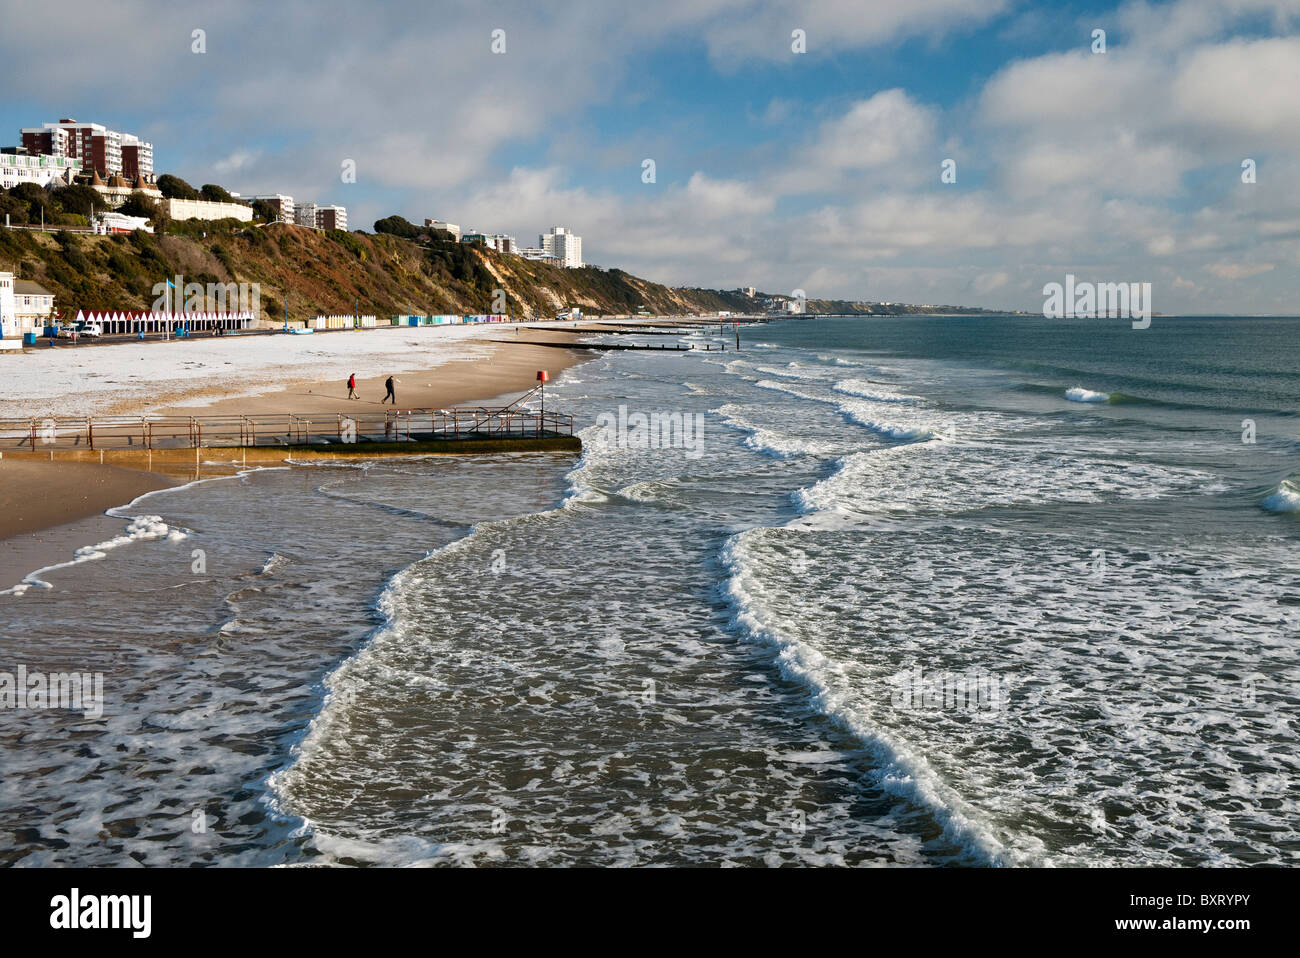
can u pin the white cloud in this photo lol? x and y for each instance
(1238, 270)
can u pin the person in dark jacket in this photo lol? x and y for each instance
(388, 384)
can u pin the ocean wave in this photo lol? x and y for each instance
(1079, 394)
(795, 371)
(954, 480)
(1285, 499)
(889, 430)
(902, 771)
(871, 391)
(769, 441)
(790, 390)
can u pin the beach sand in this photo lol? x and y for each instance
(502, 373)
(49, 509)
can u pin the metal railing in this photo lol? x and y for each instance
(289, 429)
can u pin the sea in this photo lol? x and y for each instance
(923, 591)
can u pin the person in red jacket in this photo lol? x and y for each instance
(352, 387)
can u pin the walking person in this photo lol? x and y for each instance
(352, 387)
(388, 384)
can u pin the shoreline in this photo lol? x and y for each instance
(49, 509)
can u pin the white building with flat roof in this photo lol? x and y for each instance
(451, 228)
(564, 246)
(331, 217)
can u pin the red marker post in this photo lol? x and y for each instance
(542, 377)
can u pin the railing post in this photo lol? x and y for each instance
(90, 433)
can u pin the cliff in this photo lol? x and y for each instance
(328, 272)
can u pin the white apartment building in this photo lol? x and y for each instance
(451, 228)
(98, 147)
(137, 157)
(16, 168)
(304, 214)
(565, 246)
(331, 218)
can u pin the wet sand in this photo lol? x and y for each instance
(37, 498)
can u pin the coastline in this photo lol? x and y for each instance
(48, 509)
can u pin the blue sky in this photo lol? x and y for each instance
(817, 171)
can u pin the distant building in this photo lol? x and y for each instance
(24, 306)
(41, 169)
(331, 218)
(537, 254)
(97, 147)
(137, 158)
(208, 210)
(504, 243)
(282, 204)
(118, 189)
(451, 228)
(304, 214)
(563, 245)
(487, 239)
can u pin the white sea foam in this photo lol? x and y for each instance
(872, 391)
(1151, 654)
(771, 441)
(865, 416)
(786, 388)
(966, 477)
(901, 769)
(140, 529)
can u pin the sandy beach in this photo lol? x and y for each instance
(431, 366)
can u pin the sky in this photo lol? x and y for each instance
(795, 145)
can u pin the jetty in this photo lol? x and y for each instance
(614, 347)
(144, 440)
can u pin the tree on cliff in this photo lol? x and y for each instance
(215, 194)
(397, 226)
(174, 188)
